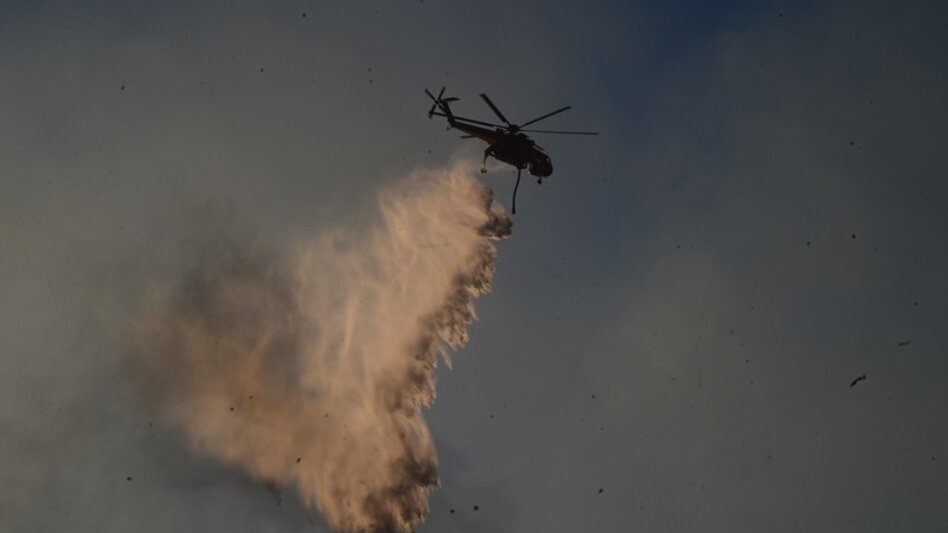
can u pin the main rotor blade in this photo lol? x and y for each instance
(548, 115)
(563, 132)
(496, 111)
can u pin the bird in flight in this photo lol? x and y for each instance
(857, 380)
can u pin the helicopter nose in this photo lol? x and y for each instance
(541, 168)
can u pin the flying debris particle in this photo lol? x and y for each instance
(851, 143)
(905, 343)
(807, 243)
(129, 478)
(600, 491)
(476, 507)
(853, 235)
(303, 15)
(857, 380)
(298, 459)
(261, 69)
(452, 511)
(231, 408)
(122, 88)
(593, 396)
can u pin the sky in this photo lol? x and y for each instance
(675, 320)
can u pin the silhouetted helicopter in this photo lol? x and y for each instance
(506, 142)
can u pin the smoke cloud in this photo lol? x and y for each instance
(309, 366)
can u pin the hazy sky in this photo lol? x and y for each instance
(675, 321)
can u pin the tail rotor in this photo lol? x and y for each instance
(440, 103)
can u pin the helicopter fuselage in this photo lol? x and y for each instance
(512, 148)
(507, 142)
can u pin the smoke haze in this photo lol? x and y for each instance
(309, 366)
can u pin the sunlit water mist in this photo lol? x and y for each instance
(309, 367)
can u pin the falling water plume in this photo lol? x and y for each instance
(308, 367)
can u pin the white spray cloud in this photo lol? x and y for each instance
(309, 367)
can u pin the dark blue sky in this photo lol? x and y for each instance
(675, 320)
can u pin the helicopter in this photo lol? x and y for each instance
(505, 142)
